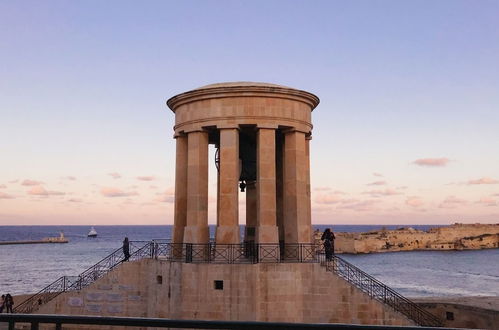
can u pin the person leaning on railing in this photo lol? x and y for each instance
(328, 238)
(9, 303)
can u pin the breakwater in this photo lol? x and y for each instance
(46, 240)
(30, 242)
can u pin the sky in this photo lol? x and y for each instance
(407, 130)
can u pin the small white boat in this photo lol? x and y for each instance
(92, 232)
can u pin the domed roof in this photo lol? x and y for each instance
(233, 88)
(241, 84)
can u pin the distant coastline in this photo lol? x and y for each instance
(454, 237)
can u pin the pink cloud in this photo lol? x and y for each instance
(70, 178)
(28, 182)
(5, 196)
(327, 199)
(322, 188)
(168, 196)
(377, 183)
(115, 175)
(357, 205)
(414, 201)
(128, 201)
(2, 186)
(116, 192)
(75, 200)
(451, 202)
(381, 193)
(321, 209)
(145, 178)
(432, 162)
(484, 180)
(487, 201)
(40, 191)
(14, 181)
(377, 174)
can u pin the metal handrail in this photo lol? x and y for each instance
(243, 253)
(46, 294)
(379, 291)
(87, 277)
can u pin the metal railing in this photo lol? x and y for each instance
(379, 291)
(244, 253)
(59, 320)
(71, 283)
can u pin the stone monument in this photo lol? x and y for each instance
(262, 134)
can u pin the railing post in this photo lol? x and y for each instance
(34, 325)
(58, 326)
(12, 324)
(188, 252)
(211, 251)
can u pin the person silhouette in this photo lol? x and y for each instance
(126, 249)
(9, 302)
(328, 238)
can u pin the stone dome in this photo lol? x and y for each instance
(241, 88)
(242, 84)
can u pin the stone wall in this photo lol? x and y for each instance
(461, 316)
(254, 292)
(122, 292)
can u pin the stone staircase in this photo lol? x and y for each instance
(379, 291)
(164, 250)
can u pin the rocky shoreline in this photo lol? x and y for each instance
(454, 237)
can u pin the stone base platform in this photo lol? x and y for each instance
(284, 292)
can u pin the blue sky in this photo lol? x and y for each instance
(83, 87)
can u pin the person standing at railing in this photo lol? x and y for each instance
(9, 303)
(328, 238)
(2, 303)
(126, 249)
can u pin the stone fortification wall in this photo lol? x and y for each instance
(455, 237)
(462, 316)
(258, 292)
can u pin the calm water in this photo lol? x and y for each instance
(28, 268)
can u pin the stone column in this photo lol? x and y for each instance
(180, 213)
(279, 185)
(266, 231)
(251, 212)
(295, 204)
(227, 231)
(196, 230)
(307, 177)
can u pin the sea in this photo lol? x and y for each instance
(29, 268)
